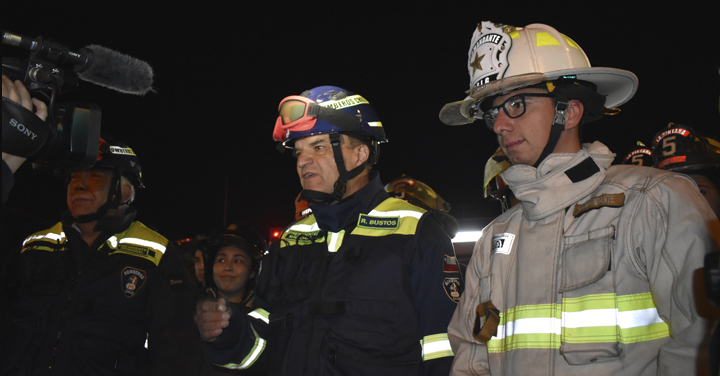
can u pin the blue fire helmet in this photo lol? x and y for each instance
(327, 109)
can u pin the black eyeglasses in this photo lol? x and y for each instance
(513, 107)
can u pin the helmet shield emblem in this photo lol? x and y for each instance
(488, 54)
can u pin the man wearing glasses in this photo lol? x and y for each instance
(592, 273)
(364, 285)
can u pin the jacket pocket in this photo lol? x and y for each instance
(289, 274)
(344, 359)
(590, 332)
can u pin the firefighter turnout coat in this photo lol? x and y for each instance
(89, 310)
(590, 275)
(363, 287)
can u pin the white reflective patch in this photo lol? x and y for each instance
(144, 243)
(502, 243)
(437, 346)
(305, 228)
(374, 123)
(395, 213)
(50, 236)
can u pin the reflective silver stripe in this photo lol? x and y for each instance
(50, 236)
(260, 314)
(395, 213)
(144, 243)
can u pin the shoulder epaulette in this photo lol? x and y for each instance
(139, 241)
(52, 239)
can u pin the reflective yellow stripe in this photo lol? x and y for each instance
(255, 353)
(587, 319)
(436, 346)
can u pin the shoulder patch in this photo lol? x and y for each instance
(131, 280)
(502, 243)
(450, 264)
(452, 288)
(611, 200)
(384, 223)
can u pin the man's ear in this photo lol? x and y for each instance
(363, 153)
(126, 192)
(574, 114)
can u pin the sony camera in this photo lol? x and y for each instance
(69, 139)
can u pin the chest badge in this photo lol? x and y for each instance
(502, 243)
(131, 280)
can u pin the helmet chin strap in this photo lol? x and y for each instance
(555, 131)
(340, 186)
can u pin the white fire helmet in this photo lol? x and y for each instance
(503, 58)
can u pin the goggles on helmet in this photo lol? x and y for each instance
(513, 107)
(297, 113)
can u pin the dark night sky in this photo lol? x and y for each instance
(221, 70)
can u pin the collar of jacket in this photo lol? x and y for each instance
(561, 180)
(344, 213)
(109, 225)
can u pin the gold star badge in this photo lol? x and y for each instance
(476, 63)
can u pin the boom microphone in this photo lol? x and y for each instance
(96, 64)
(117, 71)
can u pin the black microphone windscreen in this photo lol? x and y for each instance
(118, 71)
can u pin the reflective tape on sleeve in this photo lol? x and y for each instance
(436, 346)
(253, 356)
(587, 319)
